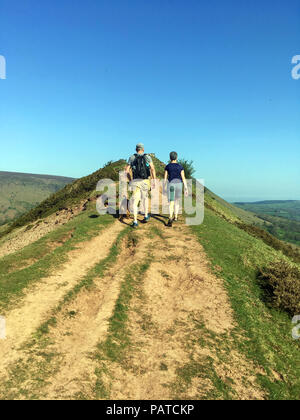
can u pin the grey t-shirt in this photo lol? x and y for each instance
(132, 159)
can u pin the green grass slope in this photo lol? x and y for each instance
(241, 213)
(247, 223)
(238, 251)
(263, 334)
(21, 192)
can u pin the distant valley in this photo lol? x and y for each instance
(281, 217)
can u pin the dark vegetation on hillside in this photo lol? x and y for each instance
(281, 285)
(284, 229)
(286, 249)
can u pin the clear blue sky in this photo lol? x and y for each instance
(212, 80)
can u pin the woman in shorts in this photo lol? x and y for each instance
(174, 174)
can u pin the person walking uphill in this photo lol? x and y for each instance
(174, 173)
(142, 168)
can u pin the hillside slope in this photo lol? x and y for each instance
(280, 218)
(95, 310)
(20, 192)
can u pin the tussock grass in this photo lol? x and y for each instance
(281, 283)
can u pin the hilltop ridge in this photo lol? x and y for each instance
(83, 189)
(76, 191)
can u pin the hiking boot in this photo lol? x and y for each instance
(146, 219)
(170, 223)
(134, 224)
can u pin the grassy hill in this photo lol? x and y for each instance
(84, 188)
(243, 213)
(199, 312)
(288, 209)
(76, 191)
(280, 218)
(20, 192)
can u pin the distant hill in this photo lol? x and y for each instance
(281, 217)
(289, 209)
(268, 202)
(20, 192)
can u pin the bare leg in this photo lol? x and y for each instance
(137, 197)
(176, 209)
(146, 204)
(171, 209)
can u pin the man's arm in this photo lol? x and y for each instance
(128, 171)
(153, 175)
(152, 170)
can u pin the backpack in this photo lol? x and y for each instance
(140, 168)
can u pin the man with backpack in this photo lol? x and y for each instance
(142, 168)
